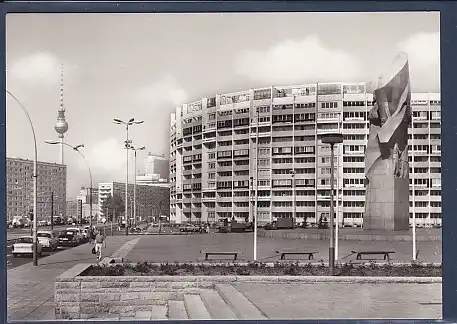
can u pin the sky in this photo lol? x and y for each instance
(145, 65)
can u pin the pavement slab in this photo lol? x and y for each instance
(330, 300)
(186, 248)
(30, 288)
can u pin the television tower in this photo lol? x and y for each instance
(61, 125)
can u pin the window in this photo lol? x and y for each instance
(263, 183)
(211, 156)
(241, 153)
(263, 109)
(282, 150)
(329, 104)
(212, 175)
(305, 150)
(282, 183)
(264, 151)
(224, 154)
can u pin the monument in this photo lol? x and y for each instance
(386, 156)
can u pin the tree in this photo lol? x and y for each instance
(113, 205)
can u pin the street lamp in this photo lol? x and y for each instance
(131, 122)
(332, 139)
(134, 186)
(76, 148)
(35, 182)
(294, 215)
(256, 184)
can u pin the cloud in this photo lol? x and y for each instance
(293, 61)
(106, 156)
(39, 68)
(423, 51)
(164, 91)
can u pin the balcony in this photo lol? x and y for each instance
(221, 138)
(208, 140)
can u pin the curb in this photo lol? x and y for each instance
(255, 279)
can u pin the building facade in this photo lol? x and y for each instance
(157, 166)
(52, 178)
(229, 151)
(151, 201)
(72, 208)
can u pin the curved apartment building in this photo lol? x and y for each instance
(214, 150)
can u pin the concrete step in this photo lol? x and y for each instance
(216, 306)
(159, 312)
(177, 310)
(195, 307)
(239, 304)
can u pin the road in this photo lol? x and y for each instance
(12, 234)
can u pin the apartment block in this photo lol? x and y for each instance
(263, 145)
(151, 201)
(52, 178)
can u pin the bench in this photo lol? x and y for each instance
(386, 254)
(284, 253)
(208, 253)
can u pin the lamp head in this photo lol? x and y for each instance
(52, 142)
(118, 121)
(332, 138)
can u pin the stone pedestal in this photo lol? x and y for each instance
(387, 201)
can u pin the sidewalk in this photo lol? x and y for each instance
(30, 294)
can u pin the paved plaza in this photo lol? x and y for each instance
(186, 248)
(332, 301)
(30, 289)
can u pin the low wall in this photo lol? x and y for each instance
(81, 297)
(433, 235)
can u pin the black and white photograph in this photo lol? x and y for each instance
(223, 166)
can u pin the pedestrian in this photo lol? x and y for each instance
(92, 234)
(100, 241)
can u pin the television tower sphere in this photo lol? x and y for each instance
(61, 126)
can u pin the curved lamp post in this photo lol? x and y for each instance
(35, 182)
(76, 148)
(134, 187)
(128, 143)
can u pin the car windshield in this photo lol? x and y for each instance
(44, 235)
(25, 240)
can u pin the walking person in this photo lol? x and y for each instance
(100, 241)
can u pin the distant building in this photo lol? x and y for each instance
(152, 201)
(157, 165)
(84, 197)
(72, 208)
(151, 180)
(52, 178)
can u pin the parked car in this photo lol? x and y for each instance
(78, 230)
(48, 240)
(189, 228)
(24, 246)
(70, 237)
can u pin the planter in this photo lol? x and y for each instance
(79, 296)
